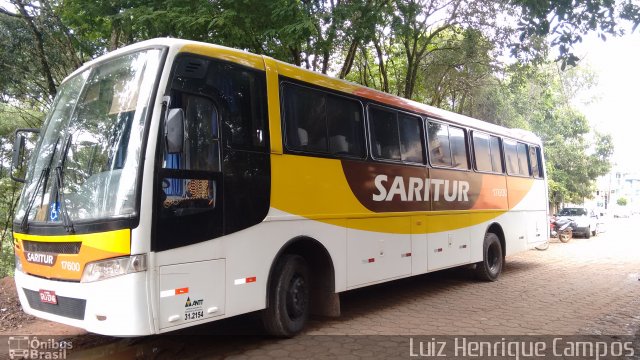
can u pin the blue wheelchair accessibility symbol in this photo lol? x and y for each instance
(54, 211)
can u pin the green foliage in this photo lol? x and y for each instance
(564, 22)
(11, 118)
(443, 53)
(7, 259)
(621, 201)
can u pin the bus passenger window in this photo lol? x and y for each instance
(411, 144)
(396, 135)
(534, 159)
(439, 150)
(496, 154)
(523, 164)
(319, 122)
(458, 148)
(511, 157)
(384, 132)
(344, 122)
(481, 152)
(305, 118)
(486, 150)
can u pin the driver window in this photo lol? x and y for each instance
(201, 132)
(200, 155)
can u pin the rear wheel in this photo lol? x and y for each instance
(595, 231)
(288, 300)
(490, 267)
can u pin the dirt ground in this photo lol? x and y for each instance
(14, 321)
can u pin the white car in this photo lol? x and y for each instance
(587, 221)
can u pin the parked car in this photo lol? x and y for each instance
(586, 221)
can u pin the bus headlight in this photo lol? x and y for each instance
(104, 269)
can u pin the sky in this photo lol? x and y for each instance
(616, 109)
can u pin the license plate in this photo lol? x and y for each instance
(48, 296)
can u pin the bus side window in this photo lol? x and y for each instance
(516, 158)
(496, 154)
(319, 122)
(439, 150)
(304, 113)
(458, 148)
(481, 152)
(384, 134)
(447, 146)
(486, 150)
(411, 143)
(523, 163)
(534, 159)
(511, 157)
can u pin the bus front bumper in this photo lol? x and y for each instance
(117, 306)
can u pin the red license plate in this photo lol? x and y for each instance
(48, 296)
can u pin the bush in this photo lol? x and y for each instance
(7, 258)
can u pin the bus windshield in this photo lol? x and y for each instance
(93, 134)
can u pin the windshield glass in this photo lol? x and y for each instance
(572, 212)
(94, 133)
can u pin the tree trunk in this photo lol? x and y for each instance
(381, 65)
(295, 56)
(114, 41)
(348, 61)
(46, 69)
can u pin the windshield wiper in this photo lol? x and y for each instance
(42, 179)
(66, 219)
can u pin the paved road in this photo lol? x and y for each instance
(587, 286)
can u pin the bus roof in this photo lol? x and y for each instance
(309, 76)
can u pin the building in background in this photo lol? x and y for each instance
(619, 183)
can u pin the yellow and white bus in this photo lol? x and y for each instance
(176, 183)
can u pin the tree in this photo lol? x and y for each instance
(622, 201)
(565, 22)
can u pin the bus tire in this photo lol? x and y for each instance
(490, 267)
(288, 297)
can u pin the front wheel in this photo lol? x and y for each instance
(288, 297)
(587, 234)
(490, 267)
(565, 235)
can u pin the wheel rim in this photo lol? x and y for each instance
(493, 258)
(296, 297)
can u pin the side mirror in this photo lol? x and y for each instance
(174, 131)
(19, 154)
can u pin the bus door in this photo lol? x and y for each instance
(189, 210)
(213, 180)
